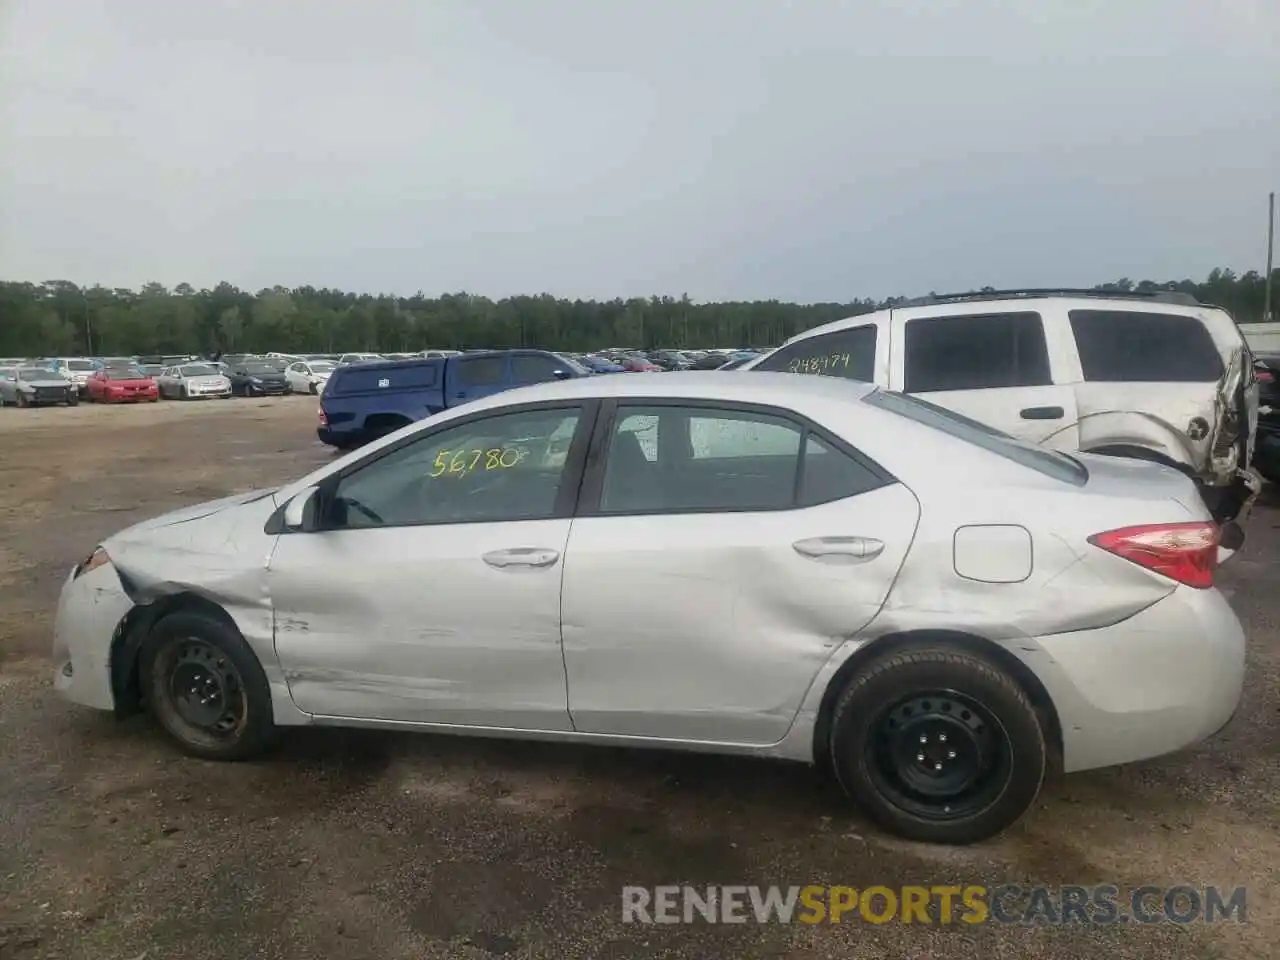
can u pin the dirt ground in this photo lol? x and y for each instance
(369, 845)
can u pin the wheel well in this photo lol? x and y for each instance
(132, 633)
(898, 642)
(386, 421)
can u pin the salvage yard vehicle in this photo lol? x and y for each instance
(75, 369)
(938, 638)
(349, 358)
(1266, 457)
(368, 400)
(309, 376)
(257, 378)
(191, 381)
(121, 386)
(36, 387)
(1154, 376)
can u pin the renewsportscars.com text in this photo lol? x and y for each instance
(938, 904)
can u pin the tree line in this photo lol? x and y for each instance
(58, 317)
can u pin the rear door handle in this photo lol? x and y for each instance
(521, 557)
(839, 549)
(1043, 413)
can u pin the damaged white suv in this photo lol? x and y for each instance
(1154, 376)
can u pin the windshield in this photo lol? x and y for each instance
(35, 373)
(260, 367)
(1047, 462)
(80, 365)
(119, 373)
(322, 366)
(197, 370)
(150, 369)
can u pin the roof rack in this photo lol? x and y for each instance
(1157, 296)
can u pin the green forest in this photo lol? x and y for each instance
(58, 317)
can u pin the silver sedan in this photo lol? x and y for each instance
(764, 564)
(193, 381)
(36, 386)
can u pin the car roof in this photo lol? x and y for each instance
(774, 389)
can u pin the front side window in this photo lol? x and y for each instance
(1134, 346)
(505, 467)
(532, 368)
(976, 352)
(704, 459)
(850, 354)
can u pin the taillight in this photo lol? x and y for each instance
(324, 421)
(1186, 552)
(1263, 375)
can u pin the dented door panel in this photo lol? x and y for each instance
(711, 627)
(410, 624)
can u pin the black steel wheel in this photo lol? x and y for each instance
(206, 687)
(938, 744)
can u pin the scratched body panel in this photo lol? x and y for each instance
(217, 551)
(409, 624)
(712, 626)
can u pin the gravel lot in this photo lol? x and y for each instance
(367, 845)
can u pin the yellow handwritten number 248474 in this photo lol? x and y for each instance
(458, 463)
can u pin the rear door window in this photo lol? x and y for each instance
(975, 352)
(480, 372)
(849, 354)
(1132, 346)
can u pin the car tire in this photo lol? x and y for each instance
(206, 688)
(312, 389)
(938, 744)
(22, 399)
(73, 401)
(185, 394)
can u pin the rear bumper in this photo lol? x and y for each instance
(342, 439)
(1160, 681)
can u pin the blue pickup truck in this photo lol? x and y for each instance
(364, 401)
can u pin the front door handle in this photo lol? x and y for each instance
(1043, 413)
(839, 549)
(521, 557)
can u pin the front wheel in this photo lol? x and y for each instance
(938, 745)
(312, 389)
(73, 400)
(206, 688)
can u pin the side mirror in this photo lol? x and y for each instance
(300, 512)
(560, 374)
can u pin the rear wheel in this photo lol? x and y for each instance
(206, 688)
(938, 744)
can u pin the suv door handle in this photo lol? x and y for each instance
(839, 549)
(521, 557)
(1043, 413)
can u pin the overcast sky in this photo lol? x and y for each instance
(811, 150)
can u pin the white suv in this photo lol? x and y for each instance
(1155, 376)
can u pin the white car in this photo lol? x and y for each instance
(769, 565)
(77, 370)
(1151, 375)
(309, 376)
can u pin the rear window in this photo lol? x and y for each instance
(849, 354)
(1132, 346)
(408, 376)
(1057, 466)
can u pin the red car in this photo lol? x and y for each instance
(121, 386)
(639, 365)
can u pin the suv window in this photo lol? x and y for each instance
(532, 368)
(481, 371)
(975, 352)
(1134, 346)
(700, 459)
(499, 468)
(850, 354)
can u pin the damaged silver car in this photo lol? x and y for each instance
(767, 565)
(1151, 375)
